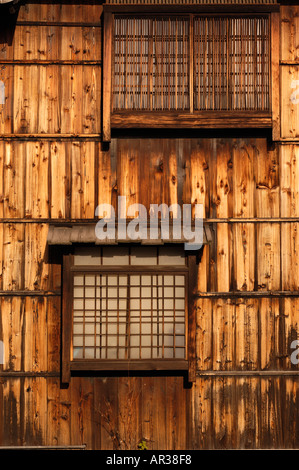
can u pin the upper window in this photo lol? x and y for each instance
(191, 63)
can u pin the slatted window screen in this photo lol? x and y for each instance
(151, 63)
(231, 61)
(200, 63)
(139, 314)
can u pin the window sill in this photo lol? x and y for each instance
(182, 120)
(124, 365)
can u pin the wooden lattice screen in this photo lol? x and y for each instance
(191, 63)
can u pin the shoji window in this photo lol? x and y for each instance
(127, 305)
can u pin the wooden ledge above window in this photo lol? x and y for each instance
(202, 120)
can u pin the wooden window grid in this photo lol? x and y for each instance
(189, 70)
(128, 317)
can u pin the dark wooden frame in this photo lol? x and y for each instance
(68, 365)
(189, 119)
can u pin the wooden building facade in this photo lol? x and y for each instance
(174, 102)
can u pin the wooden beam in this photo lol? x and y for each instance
(181, 120)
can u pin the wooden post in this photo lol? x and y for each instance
(107, 76)
(66, 319)
(192, 279)
(275, 75)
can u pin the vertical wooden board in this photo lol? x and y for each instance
(202, 414)
(2, 159)
(172, 176)
(77, 180)
(274, 69)
(247, 412)
(6, 106)
(59, 413)
(82, 412)
(106, 406)
(223, 179)
(26, 42)
(35, 410)
(268, 259)
(129, 404)
(290, 333)
(13, 424)
(224, 417)
(104, 176)
(6, 42)
(83, 180)
(35, 335)
(223, 334)
(204, 337)
(247, 331)
(159, 414)
(128, 164)
(270, 412)
(53, 334)
(89, 165)
(37, 175)
(289, 180)
(48, 100)
(267, 310)
(289, 33)
(14, 179)
(91, 42)
(107, 77)
(244, 246)
(266, 164)
(291, 413)
(224, 257)
(53, 421)
(71, 99)
(5, 332)
(71, 43)
(13, 257)
(49, 40)
(289, 256)
(147, 408)
(91, 100)
(223, 210)
(26, 99)
(243, 179)
(289, 102)
(176, 414)
(58, 180)
(36, 273)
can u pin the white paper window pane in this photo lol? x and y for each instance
(179, 280)
(78, 292)
(145, 353)
(78, 280)
(78, 353)
(78, 304)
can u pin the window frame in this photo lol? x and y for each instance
(120, 365)
(190, 119)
